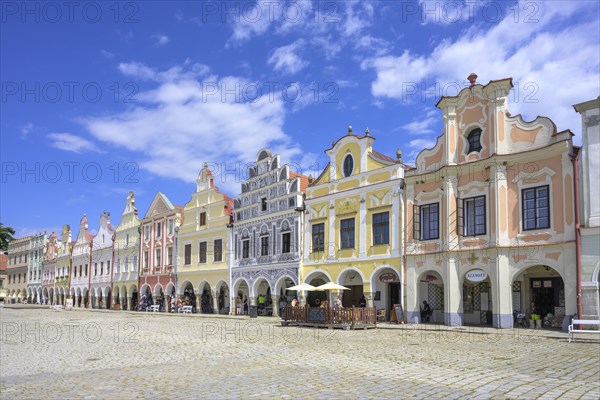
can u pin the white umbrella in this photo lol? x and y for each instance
(332, 286)
(303, 286)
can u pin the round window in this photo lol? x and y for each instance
(348, 165)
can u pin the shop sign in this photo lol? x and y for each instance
(476, 275)
(387, 277)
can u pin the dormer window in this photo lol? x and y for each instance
(348, 165)
(474, 139)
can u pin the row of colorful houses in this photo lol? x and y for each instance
(500, 217)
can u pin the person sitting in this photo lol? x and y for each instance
(294, 302)
(362, 302)
(425, 312)
(338, 301)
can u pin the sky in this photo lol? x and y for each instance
(100, 98)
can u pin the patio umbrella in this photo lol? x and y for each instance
(332, 286)
(303, 286)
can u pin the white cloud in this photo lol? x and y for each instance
(73, 143)
(285, 59)
(141, 71)
(356, 19)
(416, 146)
(421, 126)
(107, 54)
(554, 63)
(178, 15)
(330, 47)
(26, 129)
(184, 122)
(29, 231)
(161, 39)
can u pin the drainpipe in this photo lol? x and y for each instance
(404, 240)
(575, 160)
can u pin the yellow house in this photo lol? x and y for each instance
(203, 244)
(353, 223)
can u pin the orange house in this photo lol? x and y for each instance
(490, 229)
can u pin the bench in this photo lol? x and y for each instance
(572, 329)
(57, 307)
(154, 308)
(186, 309)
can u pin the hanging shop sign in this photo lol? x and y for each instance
(476, 275)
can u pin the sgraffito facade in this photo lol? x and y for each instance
(267, 233)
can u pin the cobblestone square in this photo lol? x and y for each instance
(92, 354)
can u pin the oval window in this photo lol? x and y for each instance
(348, 165)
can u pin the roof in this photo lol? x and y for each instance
(382, 156)
(303, 180)
(469, 88)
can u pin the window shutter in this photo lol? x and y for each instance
(416, 222)
(460, 230)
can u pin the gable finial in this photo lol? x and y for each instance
(472, 78)
(367, 132)
(349, 129)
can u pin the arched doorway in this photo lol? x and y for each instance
(314, 299)
(540, 290)
(385, 284)
(431, 289)
(206, 299)
(223, 298)
(285, 296)
(160, 297)
(263, 299)
(477, 298)
(146, 300)
(134, 298)
(353, 280)
(171, 297)
(107, 298)
(188, 297)
(242, 296)
(117, 299)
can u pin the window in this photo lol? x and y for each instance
(146, 233)
(102, 268)
(263, 204)
(474, 139)
(218, 250)
(108, 268)
(286, 242)
(158, 257)
(347, 233)
(246, 248)
(187, 258)
(134, 264)
(202, 257)
(127, 240)
(536, 208)
(146, 259)
(170, 255)
(318, 237)
(348, 165)
(202, 218)
(171, 225)
(158, 229)
(95, 269)
(474, 216)
(381, 228)
(264, 246)
(86, 270)
(430, 219)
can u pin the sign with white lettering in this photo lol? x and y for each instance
(476, 275)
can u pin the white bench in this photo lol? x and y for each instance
(572, 329)
(186, 309)
(57, 307)
(154, 308)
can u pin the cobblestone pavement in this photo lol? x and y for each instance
(120, 355)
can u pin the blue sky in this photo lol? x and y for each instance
(100, 98)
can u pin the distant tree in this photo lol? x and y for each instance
(6, 235)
